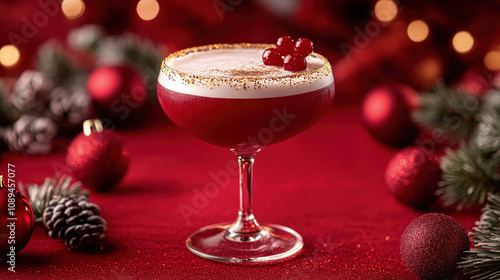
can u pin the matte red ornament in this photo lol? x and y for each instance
(386, 114)
(98, 156)
(118, 90)
(412, 176)
(432, 244)
(17, 226)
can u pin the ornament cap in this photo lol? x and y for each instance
(2, 183)
(92, 123)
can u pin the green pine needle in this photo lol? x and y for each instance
(468, 176)
(40, 196)
(483, 262)
(8, 114)
(447, 111)
(55, 63)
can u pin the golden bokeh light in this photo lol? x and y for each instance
(492, 60)
(9, 55)
(386, 10)
(73, 9)
(418, 30)
(463, 42)
(148, 9)
(428, 71)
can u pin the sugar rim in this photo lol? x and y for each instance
(240, 82)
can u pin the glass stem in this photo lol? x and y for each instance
(245, 228)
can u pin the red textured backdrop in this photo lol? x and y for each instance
(326, 183)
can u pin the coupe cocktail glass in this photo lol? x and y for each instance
(224, 95)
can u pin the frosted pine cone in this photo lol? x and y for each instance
(75, 220)
(73, 107)
(32, 92)
(30, 135)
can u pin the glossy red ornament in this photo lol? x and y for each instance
(98, 156)
(118, 90)
(412, 176)
(14, 234)
(432, 244)
(386, 114)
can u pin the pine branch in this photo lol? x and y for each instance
(54, 62)
(8, 114)
(446, 111)
(40, 196)
(483, 262)
(468, 176)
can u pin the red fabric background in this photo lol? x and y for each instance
(326, 183)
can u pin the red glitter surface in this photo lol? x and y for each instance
(326, 183)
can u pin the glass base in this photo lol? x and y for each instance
(272, 243)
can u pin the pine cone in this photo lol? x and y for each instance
(32, 92)
(72, 107)
(75, 220)
(30, 135)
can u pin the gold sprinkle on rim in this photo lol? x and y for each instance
(242, 79)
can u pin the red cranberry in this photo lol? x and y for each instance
(295, 62)
(272, 57)
(304, 47)
(284, 45)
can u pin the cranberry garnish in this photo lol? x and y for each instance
(303, 46)
(295, 62)
(272, 57)
(284, 45)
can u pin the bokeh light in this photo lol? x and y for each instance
(427, 71)
(148, 9)
(492, 60)
(386, 10)
(418, 30)
(9, 55)
(463, 42)
(73, 9)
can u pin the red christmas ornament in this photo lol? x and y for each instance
(412, 176)
(98, 156)
(16, 226)
(386, 113)
(475, 84)
(432, 244)
(118, 90)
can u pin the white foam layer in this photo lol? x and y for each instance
(240, 73)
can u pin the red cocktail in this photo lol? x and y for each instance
(224, 95)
